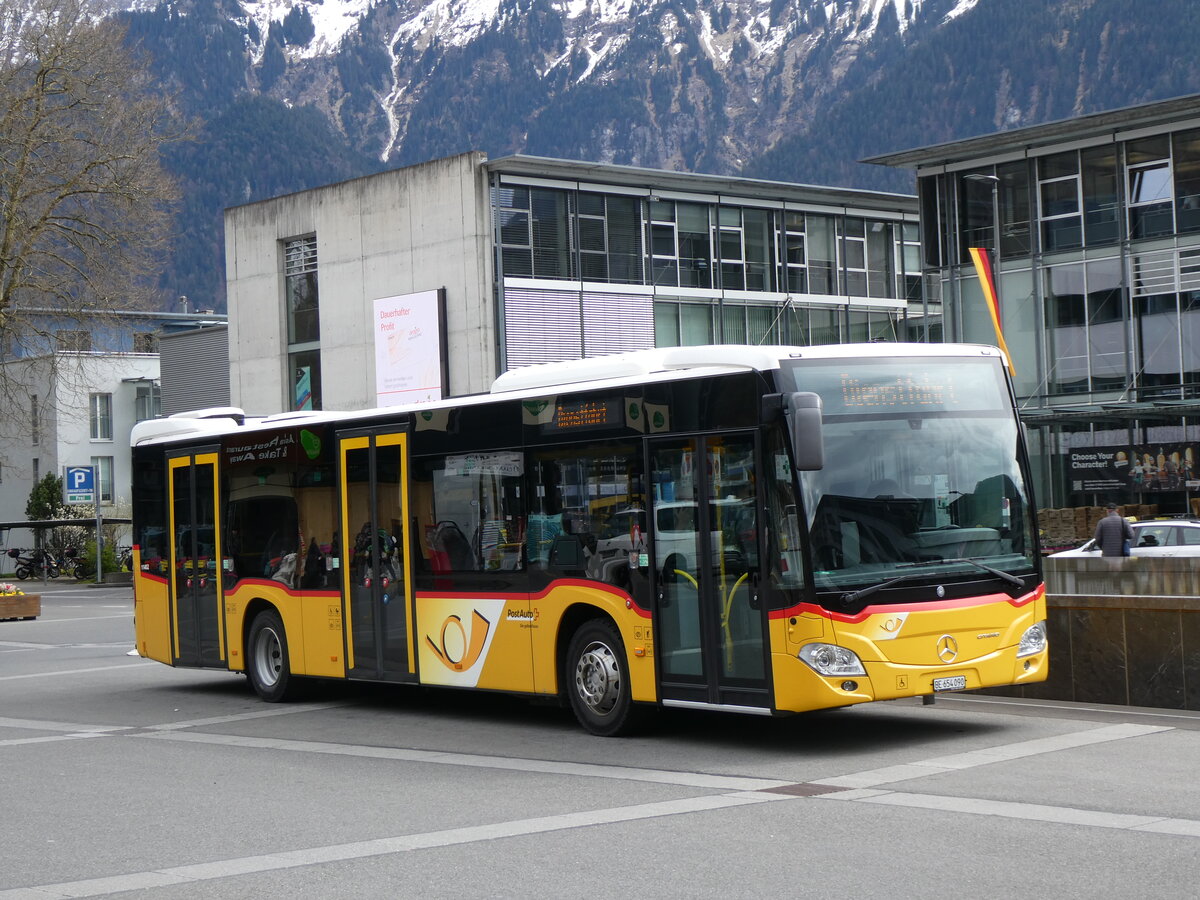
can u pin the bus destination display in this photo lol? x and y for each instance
(902, 387)
(579, 414)
(915, 391)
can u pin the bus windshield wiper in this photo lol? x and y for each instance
(1012, 579)
(850, 598)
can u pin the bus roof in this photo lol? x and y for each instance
(615, 370)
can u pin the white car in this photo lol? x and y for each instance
(1154, 537)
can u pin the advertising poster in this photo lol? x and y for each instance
(1140, 468)
(408, 348)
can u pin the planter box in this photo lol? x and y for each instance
(20, 606)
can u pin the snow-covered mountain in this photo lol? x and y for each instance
(667, 83)
(293, 93)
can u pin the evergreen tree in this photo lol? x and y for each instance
(45, 499)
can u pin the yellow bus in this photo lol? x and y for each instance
(762, 530)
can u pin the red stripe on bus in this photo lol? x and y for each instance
(630, 603)
(960, 603)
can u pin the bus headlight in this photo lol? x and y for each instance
(830, 659)
(1033, 640)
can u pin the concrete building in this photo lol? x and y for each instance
(1097, 224)
(432, 279)
(80, 393)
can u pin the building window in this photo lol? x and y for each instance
(880, 256)
(933, 219)
(300, 283)
(103, 466)
(73, 341)
(1059, 201)
(145, 342)
(1066, 327)
(516, 251)
(549, 233)
(1186, 146)
(100, 417)
(664, 251)
(534, 232)
(609, 238)
(303, 322)
(732, 248)
(1149, 186)
(908, 272)
(794, 259)
(1100, 201)
(854, 250)
(1106, 325)
(695, 245)
(591, 220)
(1157, 334)
(305, 382)
(35, 424)
(976, 191)
(821, 244)
(148, 402)
(1016, 237)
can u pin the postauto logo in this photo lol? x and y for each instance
(457, 647)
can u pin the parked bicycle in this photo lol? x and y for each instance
(34, 562)
(75, 564)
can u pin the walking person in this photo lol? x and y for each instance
(1112, 532)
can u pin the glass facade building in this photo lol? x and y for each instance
(1093, 229)
(593, 259)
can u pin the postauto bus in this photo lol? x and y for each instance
(760, 530)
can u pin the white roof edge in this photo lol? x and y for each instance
(705, 358)
(153, 429)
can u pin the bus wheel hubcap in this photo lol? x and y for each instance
(269, 659)
(598, 678)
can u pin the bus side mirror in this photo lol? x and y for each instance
(803, 412)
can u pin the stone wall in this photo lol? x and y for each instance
(1123, 631)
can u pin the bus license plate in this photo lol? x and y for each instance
(953, 683)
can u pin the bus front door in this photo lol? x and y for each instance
(709, 624)
(374, 555)
(197, 623)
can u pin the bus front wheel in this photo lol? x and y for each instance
(597, 680)
(267, 658)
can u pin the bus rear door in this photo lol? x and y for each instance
(197, 622)
(374, 555)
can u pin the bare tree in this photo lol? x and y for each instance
(85, 205)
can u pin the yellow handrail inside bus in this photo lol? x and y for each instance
(725, 621)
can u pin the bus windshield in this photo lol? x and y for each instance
(922, 472)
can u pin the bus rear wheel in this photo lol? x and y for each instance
(267, 662)
(596, 679)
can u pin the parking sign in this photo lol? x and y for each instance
(79, 484)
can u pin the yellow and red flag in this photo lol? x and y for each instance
(983, 267)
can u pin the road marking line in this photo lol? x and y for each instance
(1003, 753)
(44, 621)
(14, 742)
(248, 865)
(290, 709)
(77, 671)
(540, 766)
(1031, 812)
(1076, 707)
(71, 727)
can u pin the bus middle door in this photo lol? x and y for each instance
(709, 623)
(374, 558)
